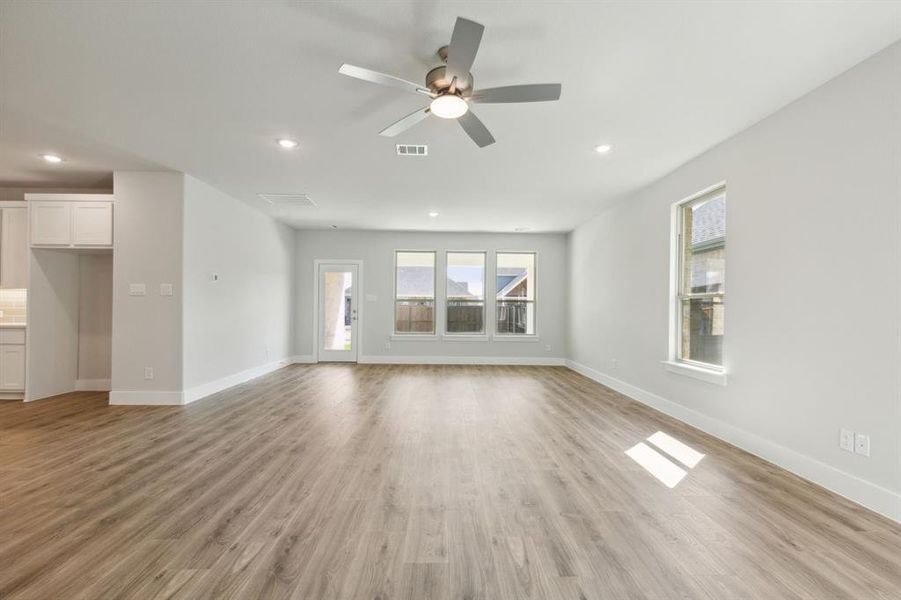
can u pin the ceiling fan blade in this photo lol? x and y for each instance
(382, 79)
(475, 129)
(463, 47)
(409, 121)
(539, 92)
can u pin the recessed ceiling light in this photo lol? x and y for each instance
(603, 148)
(286, 143)
(521, 229)
(52, 158)
(433, 213)
(448, 106)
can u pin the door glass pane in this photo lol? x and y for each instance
(702, 330)
(465, 292)
(336, 310)
(704, 247)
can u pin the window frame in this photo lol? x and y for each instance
(424, 335)
(510, 337)
(480, 335)
(675, 362)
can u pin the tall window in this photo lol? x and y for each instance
(465, 292)
(414, 292)
(515, 293)
(701, 285)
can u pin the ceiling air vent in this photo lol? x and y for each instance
(410, 150)
(287, 199)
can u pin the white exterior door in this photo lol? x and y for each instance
(338, 313)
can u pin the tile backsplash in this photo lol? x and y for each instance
(12, 306)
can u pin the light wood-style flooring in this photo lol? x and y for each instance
(415, 482)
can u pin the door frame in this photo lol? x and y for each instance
(317, 334)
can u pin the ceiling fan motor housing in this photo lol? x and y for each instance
(436, 80)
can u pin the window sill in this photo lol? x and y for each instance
(413, 337)
(463, 337)
(708, 375)
(515, 338)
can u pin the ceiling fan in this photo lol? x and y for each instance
(450, 86)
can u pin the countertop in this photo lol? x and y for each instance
(12, 325)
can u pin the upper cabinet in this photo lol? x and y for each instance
(72, 221)
(14, 247)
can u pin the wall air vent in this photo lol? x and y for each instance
(411, 150)
(287, 199)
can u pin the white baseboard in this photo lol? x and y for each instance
(146, 398)
(876, 498)
(92, 385)
(303, 359)
(207, 389)
(464, 360)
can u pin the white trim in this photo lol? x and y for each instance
(708, 375)
(303, 359)
(413, 337)
(464, 360)
(464, 337)
(867, 494)
(146, 398)
(92, 385)
(12, 395)
(211, 387)
(51, 197)
(514, 337)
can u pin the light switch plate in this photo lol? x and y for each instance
(137, 289)
(862, 444)
(165, 289)
(846, 440)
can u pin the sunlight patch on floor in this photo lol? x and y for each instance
(660, 466)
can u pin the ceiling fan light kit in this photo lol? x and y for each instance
(450, 86)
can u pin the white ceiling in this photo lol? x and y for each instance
(205, 88)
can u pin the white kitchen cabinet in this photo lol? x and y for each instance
(71, 222)
(14, 247)
(12, 368)
(92, 224)
(51, 223)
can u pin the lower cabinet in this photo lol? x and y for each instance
(12, 360)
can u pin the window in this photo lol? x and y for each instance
(465, 292)
(515, 293)
(414, 294)
(699, 304)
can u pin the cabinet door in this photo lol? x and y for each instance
(50, 223)
(92, 223)
(12, 368)
(14, 248)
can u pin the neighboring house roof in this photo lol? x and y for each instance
(508, 278)
(458, 289)
(415, 282)
(708, 222)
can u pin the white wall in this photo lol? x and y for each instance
(52, 343)
(147, 331)
(95, 319)
(243, 321)
(813, 301)
(376, 249)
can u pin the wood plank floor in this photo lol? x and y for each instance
(414, 482)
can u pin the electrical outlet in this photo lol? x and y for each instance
(862, 444)
(148, 372)
(267, 352)
(547, 347)
(387, 345)
(137, 289)
(165, 289)
(846, 440)
(614, 362)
